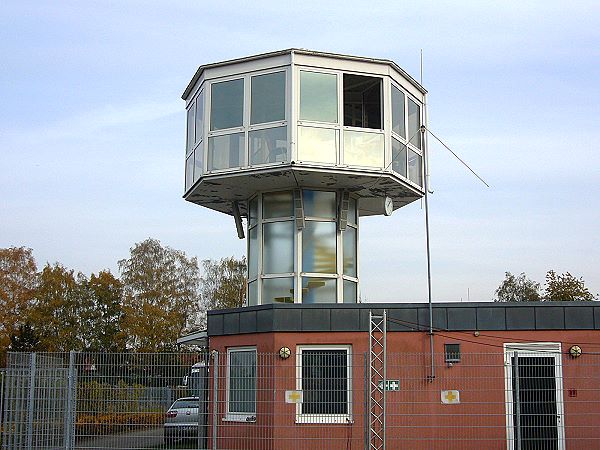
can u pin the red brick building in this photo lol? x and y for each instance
(474, 347)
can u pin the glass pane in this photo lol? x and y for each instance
(414, 168)
(318, 97)
(189, 172)
(253, 293)
(349, 291)
(185, 404)
(324, 382)
(352, 212)
(349, 239)
(278, 249)
(268, 145)
(414, 123)
(278, 290)
(227, 104)
(319, 247)
(198, 162)
(278, 204)
(398, 157)
(253, 212)
(398, 125)
(253, 253)
(189, 143)
(200, 117)
(362, 101)
(319, 290)
(319, 204)
(242, 381)
(317, 144)
(363, 149)
(268, 98)
(226, 151)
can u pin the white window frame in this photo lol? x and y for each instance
(324, 418)
(533, 349)
(233, 416)
(246, 127)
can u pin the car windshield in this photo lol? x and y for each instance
(185, 404)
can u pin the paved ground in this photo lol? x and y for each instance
(144, 439)
(149, 438)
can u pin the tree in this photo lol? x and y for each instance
(565, 287)
(61, 306)
(18, 280)
(25, 339)
(518, 289)
(160, 296)
(102, 331)
(223, 284)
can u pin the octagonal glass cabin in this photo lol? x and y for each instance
(302, 143)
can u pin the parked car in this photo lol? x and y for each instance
(181, 420)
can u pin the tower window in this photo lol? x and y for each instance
(227, 105)
(362, 101)
(318, 97)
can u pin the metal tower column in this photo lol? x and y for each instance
(377, 379)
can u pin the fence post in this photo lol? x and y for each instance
(70, 419)
(2, 374)
(215, 355)
(31, 400)
(517, 403)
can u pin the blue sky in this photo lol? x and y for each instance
(92, 131)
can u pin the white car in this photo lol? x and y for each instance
(181, 420)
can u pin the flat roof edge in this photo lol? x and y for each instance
(406, 317)
(299, 51)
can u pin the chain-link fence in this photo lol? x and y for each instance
(311, 397)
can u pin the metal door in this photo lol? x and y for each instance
(534, 402)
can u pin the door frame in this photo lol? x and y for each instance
(533, 349)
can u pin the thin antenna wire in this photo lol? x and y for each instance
(456, 156)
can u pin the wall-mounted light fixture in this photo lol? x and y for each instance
(284, 352)
(575, 351)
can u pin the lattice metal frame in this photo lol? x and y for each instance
(377, 379)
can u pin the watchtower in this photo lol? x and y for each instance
(302, 144)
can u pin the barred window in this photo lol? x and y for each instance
(241, 383)
(452, 352)
(325, 381)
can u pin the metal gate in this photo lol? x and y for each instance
(37, 402)
(92, 401)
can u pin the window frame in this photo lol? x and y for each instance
(199, 138)
(246, 127)
(236, 416)
(325, 418)
(190, 130)
(259, 226)
(299, 122)
(322, 71)
(326, 276)
(452, 356)
(381, 80)
(404, 140)
(297, 274)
